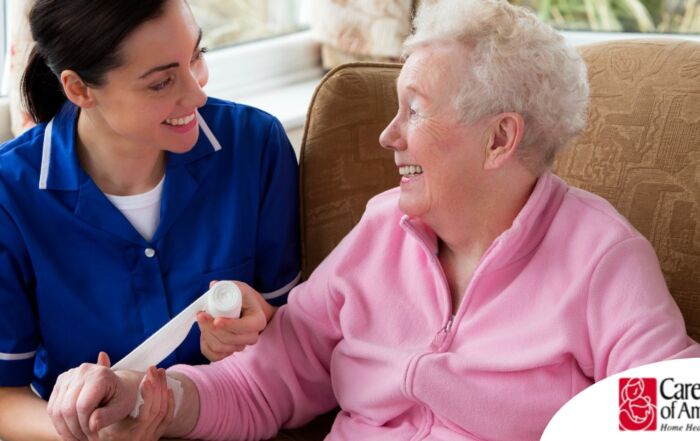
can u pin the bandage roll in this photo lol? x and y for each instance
(222, 300)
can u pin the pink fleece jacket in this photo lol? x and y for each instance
(570, 294)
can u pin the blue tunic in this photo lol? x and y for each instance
(75, 276)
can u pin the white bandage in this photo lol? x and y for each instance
(173, 384)
(223, 300)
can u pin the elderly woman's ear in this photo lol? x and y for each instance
(506, 132)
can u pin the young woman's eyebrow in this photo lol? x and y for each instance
(171, 65)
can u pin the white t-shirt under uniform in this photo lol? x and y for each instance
(142, 210)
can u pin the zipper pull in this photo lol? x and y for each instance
(448, 325)
(442, 334)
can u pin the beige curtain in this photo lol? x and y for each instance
(361, 30)
(20, 44)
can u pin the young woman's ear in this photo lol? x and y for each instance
(505, 139)
(76, 90)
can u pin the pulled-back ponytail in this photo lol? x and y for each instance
(41, 89)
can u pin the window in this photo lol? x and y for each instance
(262, 54)
(661, 16)
(227, 22)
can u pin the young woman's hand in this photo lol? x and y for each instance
(90, 397)
(223, 336)
(155, 414)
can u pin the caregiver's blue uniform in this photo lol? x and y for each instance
(75, 276)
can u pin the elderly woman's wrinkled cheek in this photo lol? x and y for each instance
(437, 130)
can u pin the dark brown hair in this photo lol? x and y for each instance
(80, 35)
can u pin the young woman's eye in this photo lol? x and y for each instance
(161, 85)
(200, 53)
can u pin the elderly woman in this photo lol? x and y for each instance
(469, 303)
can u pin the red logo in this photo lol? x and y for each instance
(637, 403)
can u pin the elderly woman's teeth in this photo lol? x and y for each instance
(410, 170)
(180, 121)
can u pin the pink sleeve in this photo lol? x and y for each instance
(633, 320)
(283, 380)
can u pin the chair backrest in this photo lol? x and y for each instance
(342, 164)
(641, 151)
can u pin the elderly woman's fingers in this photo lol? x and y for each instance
(159, 411)
(169, 416)
(148, 396)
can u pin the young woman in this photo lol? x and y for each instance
(129, 197)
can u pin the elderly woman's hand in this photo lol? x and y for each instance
(223, 336)
(155, 414)
(90, 397)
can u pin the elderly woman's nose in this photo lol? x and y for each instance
(391, 137)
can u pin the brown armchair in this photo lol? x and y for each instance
(641, 151)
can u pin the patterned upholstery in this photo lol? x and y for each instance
(641, 151)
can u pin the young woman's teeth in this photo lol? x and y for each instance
(179, 121)
(410, 170)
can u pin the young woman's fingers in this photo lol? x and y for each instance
(69, 411)
(250, 321)
(103, 359)
(216, 345)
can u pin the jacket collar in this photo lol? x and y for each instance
(60, 169)
(527, 231)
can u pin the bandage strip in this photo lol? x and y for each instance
(223, 300)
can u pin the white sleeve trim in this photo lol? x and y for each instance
(282, 291)
(15, 357)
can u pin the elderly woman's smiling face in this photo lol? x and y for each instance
(440, 157)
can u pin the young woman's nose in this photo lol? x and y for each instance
(193, 92)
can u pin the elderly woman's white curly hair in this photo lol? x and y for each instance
(518, 64)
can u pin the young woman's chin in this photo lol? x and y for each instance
(181, 142)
